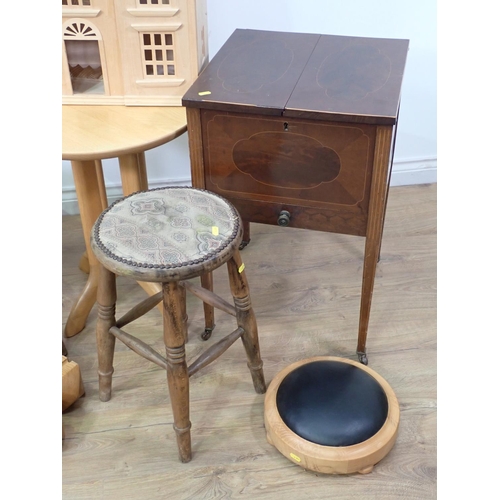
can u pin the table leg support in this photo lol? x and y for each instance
(90, 206)
(133, 173)
(84, 260)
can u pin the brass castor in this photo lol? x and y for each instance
(331, 415)
(207, 333)
(362, 358)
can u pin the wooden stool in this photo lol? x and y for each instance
(331, 415)
(168, 235)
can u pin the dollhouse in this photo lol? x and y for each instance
(132, 52)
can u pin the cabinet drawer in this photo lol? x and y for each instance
(320, 172)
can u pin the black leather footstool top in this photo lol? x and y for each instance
(332, 403)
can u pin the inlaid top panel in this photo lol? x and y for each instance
(353, 78)
(254, 70)
(323, 77)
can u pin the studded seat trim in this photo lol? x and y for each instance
(166, 228)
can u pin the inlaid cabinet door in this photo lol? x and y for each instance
(320, 172)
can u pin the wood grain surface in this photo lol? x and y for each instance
(305, 288)
(318, 171)
(98, 132)
(325, 77)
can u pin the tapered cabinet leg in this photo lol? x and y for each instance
(245, 318)
(106, 301)
(177, 371)
(375, 224)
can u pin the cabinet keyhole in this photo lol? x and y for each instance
(285, 126)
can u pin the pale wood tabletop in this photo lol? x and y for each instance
(99, 132)
(93, 133)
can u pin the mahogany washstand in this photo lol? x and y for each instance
(299, 130)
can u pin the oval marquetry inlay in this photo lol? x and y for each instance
(354, 72)
(286, 160)
(273, 62)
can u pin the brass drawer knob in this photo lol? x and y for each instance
(284, 218)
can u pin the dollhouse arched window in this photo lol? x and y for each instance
(81, 41)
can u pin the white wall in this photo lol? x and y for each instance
(415, 159)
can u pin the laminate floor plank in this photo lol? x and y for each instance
(305, 288)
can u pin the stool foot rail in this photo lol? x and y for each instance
(212, 353)
(139, 347)
(209, 297)
(140, 309)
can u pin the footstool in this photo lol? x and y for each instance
(331, 415)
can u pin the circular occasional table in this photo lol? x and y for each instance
(94, 133)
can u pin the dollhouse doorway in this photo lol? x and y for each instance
(84, 57)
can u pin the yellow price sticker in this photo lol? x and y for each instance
(295, 457)
(215, 230)
(241, 268)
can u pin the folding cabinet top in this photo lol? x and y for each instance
(322, 77)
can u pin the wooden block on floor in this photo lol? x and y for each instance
(72, 383)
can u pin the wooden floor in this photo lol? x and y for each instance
(305, 289)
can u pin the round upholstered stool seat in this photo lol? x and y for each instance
(167, 234)
(331, 415)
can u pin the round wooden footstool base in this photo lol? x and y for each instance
(331, 415)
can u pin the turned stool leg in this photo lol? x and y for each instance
(177, 371)
(184, 314)
(106, 300)
(245, 318)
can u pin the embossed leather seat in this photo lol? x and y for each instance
(169, 235)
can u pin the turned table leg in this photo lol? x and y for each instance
(133, 173)
(90, 206)
(84, 260)
(92, 200)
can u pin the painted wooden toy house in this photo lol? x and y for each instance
(132, 52)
